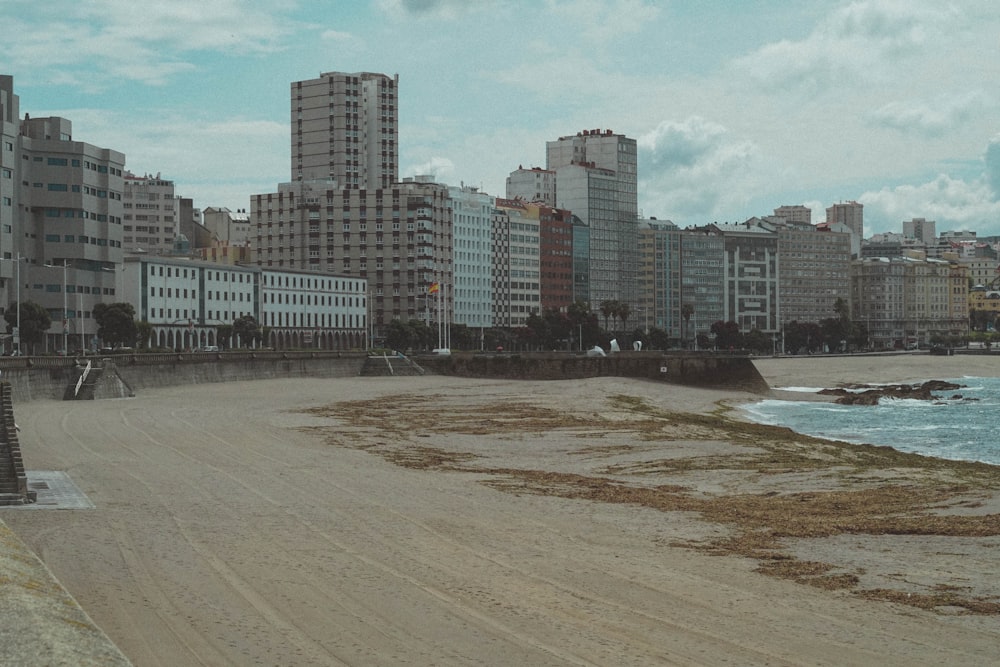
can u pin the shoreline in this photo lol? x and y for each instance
(452, 520)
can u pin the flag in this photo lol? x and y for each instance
(434, 288)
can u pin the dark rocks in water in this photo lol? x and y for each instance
(862, 394)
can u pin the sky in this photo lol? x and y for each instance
(738, 106)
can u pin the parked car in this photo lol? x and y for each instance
(208, 348)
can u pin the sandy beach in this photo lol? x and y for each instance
(447, 521)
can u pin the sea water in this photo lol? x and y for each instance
(961, 424)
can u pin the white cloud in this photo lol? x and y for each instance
(695, 167)
(441, 169)
(859, 43)
(437, 9)
(602, 21)
(96, 44)
(953, 203)
(929, 118)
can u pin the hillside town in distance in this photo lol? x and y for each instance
(346, 255)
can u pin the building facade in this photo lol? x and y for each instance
(907, 301)
(849, 213)
(471, 213)
(398, 239)
(150, 219)
(532, 185)
(814, 269)
(596, 177)
(345, 130)
(516, 239)
(185, 302)
(302, 310)
(61, 220)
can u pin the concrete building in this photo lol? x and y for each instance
(399, 239)
(344, 129)
(704, 283)
(751, 275)
(796, 214)
(532, 185)
(921, 230)
(555, 255)
(151, 210)
(301, 309)
(61, 218)
(909, 301)
(851, 214)
(516, 239)
(596, 179)
(660, 276)
(471, 213)
(227, 227)
(814, 270)
(186, 301)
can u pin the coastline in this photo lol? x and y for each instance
(451, 520)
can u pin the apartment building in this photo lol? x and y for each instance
(814, 269)
(301, 309)
(751, 276)
(398, 239)
(532, 185)
(596, 177)
(849, 213)
(61, 218)
(186, 301)
(344, 129)
(907, 300)
(516, 269)
(150, 219)
(471, 212)
(660, 276)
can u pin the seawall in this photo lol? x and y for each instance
(34, 378)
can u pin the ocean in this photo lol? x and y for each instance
(963, 428)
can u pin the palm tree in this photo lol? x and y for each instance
(608, 309)
(687, 310)
(623, 312)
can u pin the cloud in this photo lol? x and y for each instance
(954, 203)
(438, 9)
(601, 21)
(693, 167)
(859, 43)
(439, 168)
(930, 119)
(104, 41)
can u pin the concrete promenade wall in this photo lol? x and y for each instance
(34, 378)
(721, 371)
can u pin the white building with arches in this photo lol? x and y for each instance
(306, 309)
(185, 302)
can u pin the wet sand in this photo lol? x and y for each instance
(447, 521)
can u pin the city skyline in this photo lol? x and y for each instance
(735, 111)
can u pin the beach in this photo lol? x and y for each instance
(447, 521)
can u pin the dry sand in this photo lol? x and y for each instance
(446, 521)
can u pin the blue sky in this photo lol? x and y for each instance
(738, 107)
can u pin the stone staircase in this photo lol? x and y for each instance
(386, 365)
(13, 480)
(97, 380)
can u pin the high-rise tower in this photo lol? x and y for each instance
(344, 128)
(596, 180)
